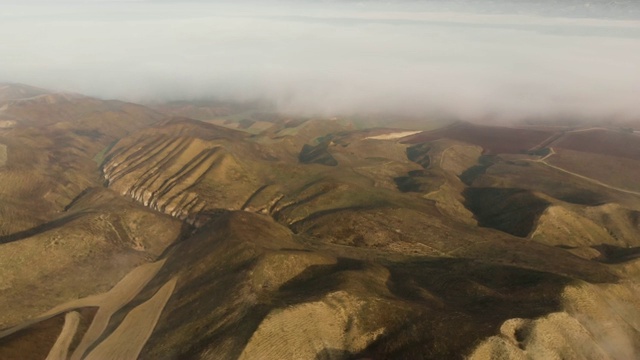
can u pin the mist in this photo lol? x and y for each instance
(470, 60)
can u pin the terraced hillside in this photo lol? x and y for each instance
(307, 239)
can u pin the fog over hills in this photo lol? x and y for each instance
(470, 60)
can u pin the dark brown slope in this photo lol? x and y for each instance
(494, 139)
(602, 141)
(514, 211)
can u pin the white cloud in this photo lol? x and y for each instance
(329, 58)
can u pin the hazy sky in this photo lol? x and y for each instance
(472, 61)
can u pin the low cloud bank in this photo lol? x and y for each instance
(331, 57)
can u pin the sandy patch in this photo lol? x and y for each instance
(114, 300)
(61, 347)
(395, 135)
(7, 124)
(129, 338)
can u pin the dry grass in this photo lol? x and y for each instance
(603, 142)
(33, 342)
(3, 155)
(615, 171)
(600, 322)
(494, 139)
(87, 250)
(306, 330)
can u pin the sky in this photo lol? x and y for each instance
(472, 60)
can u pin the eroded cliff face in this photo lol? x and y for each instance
(162, 175)
(183, 169)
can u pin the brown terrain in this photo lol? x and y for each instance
(493, 139)
(218, 231)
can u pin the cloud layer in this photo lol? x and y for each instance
(330, 58)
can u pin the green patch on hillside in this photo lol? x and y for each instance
(99, 157)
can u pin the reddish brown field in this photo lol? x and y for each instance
(614, 171)
(493, 139)
(600, 141)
